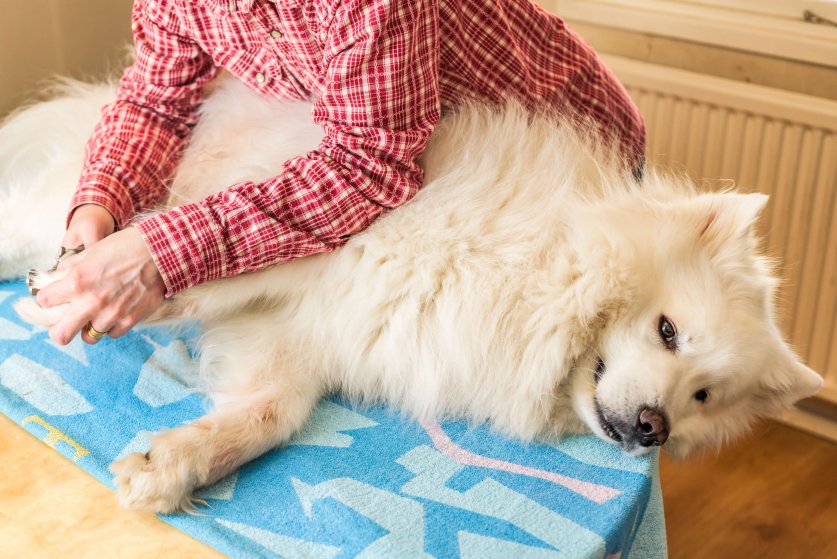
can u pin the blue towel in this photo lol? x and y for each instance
(357, 482)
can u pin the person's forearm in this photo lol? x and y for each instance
(136, 146)
(251, 226)
(127, 177)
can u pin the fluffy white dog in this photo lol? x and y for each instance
(531, 284)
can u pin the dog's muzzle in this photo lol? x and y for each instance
(606, 425)
(649, 428)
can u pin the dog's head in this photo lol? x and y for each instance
(693, 355)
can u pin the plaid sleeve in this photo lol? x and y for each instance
(136, 145)
(380, 105)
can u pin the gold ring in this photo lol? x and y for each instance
(93, 333)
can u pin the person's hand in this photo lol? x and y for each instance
(111, 287)
(90, 224)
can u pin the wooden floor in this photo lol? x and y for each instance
(773, 494)
(50, 508)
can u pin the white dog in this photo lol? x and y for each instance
(531, 284)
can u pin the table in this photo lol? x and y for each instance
(357, 482)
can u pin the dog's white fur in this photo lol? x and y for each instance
(528, 256)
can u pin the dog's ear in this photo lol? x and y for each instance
(787, 382)
(728, 216)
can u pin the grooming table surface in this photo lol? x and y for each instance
(356, 482)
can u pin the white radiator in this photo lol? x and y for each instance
(765, 140)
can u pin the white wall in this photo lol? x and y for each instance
(42, 38)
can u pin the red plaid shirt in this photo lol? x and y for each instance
(378, 72)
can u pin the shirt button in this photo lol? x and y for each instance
(261, 78)
(276, 34)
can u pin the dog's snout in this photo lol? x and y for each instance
(651, 427)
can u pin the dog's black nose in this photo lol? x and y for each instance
(651, 427)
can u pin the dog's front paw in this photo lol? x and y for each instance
(29, 310)
(153, 486)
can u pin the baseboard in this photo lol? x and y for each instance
(812, 423)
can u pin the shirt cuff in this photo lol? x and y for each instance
(101, 188)
(186, 245)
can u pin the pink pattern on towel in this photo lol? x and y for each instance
(597, 493)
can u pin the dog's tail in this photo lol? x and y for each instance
(41, 156)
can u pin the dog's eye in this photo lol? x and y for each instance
(668, 333)
(702, 395)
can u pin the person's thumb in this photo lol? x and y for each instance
(89, 226)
